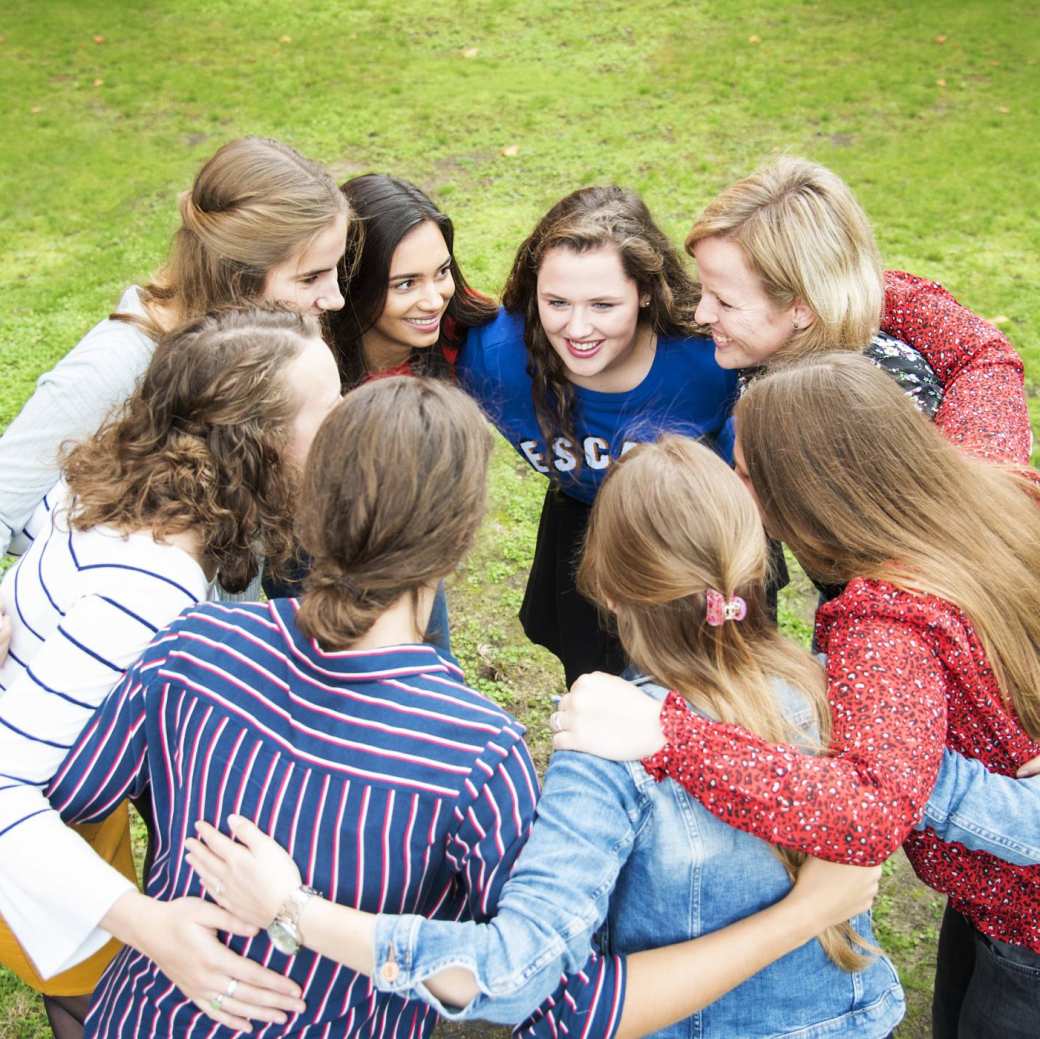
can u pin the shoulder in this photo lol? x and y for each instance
(500, 340)
(693, 355)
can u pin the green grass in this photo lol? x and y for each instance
(929, 110)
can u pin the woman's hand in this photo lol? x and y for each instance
(5, 635)
(831, 892)
(180, 937)
(250, 876)
(609, 717)
(1030, 768)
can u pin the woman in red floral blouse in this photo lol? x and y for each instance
(932, 644)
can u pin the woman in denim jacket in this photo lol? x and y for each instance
(677, 552)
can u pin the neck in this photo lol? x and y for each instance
(380, 353)
(403, 621)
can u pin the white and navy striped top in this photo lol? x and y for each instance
(83, 605)
(393, 785)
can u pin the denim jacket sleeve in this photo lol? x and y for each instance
(551, 906)
(985, 811)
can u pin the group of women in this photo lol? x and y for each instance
(343, 837)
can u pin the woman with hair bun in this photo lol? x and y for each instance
(260, 224)
(179, 490)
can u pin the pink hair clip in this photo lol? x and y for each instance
(719, 609)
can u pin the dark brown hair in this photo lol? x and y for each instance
(393, 494)
(387, 209)
(198, 446)
(585, 220)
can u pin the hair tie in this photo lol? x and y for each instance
(719, 609)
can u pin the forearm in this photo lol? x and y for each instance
(710, 966)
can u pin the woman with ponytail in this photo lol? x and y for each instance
(260, 224)
(194, 475)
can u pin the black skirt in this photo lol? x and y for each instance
(557, 616)
(554, 614)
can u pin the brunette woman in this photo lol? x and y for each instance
(194, 475)
(595, 349)
(260, 223)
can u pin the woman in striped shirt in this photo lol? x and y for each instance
(178, 491)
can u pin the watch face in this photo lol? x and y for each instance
(284, 937)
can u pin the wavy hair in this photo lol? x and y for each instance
(387, 209)
(859, 484)
(805, 236)
(254, 204)
(594, 218)
(671, 521)
(199, 444)
(393, 494)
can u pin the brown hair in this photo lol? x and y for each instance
(671, 521)
(393, 494)
(588, 219)
(860, 484)
(806, 237)
(198, 445)
(254, 204)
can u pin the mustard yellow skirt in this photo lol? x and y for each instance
(111, 840)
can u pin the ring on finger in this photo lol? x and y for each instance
(554, 721)
(231, 986)
(217, 1001)
(218, 888)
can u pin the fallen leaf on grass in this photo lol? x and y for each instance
(3, 39)
(1000, 319)
(510, 150)
(36, 109)
(98, 82)
(1003, 109)
(99, 38)
(940, 82)
(940, 38)
(754, 39)
(285, 39)
(471, 52)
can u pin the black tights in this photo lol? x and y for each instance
(66, 1014)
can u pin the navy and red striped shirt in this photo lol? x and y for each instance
(395, 787)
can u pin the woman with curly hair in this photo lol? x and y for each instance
(188, 485)
(260, 224)
(594, 350)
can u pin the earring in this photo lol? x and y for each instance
(644, 302)
(797, 327)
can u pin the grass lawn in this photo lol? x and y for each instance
(929, 110)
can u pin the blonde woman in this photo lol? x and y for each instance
(177, 491)
(788, 267)
(260, 223)
(931, 645)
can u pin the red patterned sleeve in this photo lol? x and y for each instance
(855, 805)
(984, 405)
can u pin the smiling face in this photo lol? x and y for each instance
(589, 310)
(420, 287)
(308, 281)
(313, 382)
(748, 328)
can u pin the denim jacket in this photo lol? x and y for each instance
(613, 847)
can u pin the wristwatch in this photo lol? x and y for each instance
(284, 929)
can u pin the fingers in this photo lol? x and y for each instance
(221, 846)
(215, 918)
(1030, 768)
(246, 831)
(258, 984)
(239, 1024)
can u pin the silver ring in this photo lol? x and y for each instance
(231, 986)
(554, 721)
(217, 1001)
(217, 890)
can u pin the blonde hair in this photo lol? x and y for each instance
(393, 495)
(859, 484)
(806, 237)
(254, 204)
(671, 521)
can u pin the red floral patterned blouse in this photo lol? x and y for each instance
(984, 405)
(906, 676)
